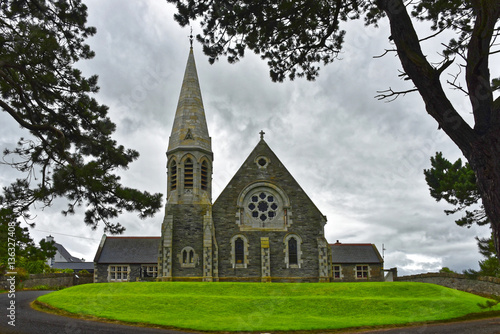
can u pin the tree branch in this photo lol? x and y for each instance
(477, 69)
(385, 52)
(29, 126)
(424, 76)
(393, 95)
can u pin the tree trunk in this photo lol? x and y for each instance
(485, 161)
(481, 145)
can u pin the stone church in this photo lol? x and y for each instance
(262, 228)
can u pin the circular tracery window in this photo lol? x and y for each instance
(262, 162)
(263, 206)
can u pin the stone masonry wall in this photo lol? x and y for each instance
(187, 232)
(52, 280)
(485, 286)
(306, 221)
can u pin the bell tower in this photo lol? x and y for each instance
(189, 154)
(187, 230)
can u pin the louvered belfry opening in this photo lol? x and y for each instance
(204, 175)
(188, 174)
(173, 175)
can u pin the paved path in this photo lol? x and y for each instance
(28, 321)
(484, 326)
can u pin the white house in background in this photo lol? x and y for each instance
(64, 260)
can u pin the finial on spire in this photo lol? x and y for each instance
(191, 37)
(262, 133)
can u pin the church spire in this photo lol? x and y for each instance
(189, 153)
(190, 130)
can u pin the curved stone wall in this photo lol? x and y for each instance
(484, 286)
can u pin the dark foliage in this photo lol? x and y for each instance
(456, 184)
(16, 246)
(69, 151)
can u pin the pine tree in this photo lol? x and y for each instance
(68, 151)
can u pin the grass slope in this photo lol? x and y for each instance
(259, 307)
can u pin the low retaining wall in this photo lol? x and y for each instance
(485, 286)
(53, 280)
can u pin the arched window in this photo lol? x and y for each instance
(188, 257)
(188, 174)
(292, 252)
(173, 175)
(239, 251)
(191, 256)
(204, 175)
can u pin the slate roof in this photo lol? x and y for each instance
(190, 129)
(128, 250)
(355, 253)
(65, 254)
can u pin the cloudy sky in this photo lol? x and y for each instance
(359, 159)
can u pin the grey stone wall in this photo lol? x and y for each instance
(187, 232)
(52, 280)
(306, 221)
(100, 273)
(485, 286)
(134, 273)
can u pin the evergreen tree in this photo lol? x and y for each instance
(68, 151)
(456, 184)
(489, 266)
(295, 36)
(17, 249)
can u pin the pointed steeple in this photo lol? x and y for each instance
(190, 130)
(189, 154)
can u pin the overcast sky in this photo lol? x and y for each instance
(359, 159)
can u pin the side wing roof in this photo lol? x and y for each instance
(128, 250)
(355, 253)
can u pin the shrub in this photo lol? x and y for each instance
(446, 270)
(65, 271)
(36, 267)
(21, 276)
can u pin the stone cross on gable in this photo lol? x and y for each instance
(261, 134)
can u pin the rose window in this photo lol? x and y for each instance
(262, 206)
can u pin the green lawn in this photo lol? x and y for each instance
(261, 307)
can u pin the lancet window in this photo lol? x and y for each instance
(204, 175)
(188, 174)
